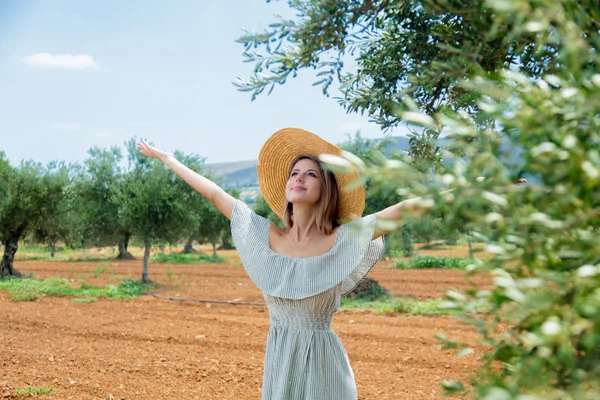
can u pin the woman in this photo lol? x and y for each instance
(324, 252)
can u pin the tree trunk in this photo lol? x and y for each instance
(213, 241)
(189, 246)
(470, 244)
(10, 249)
(123, 243)
(52, 249)
(407, 244)
(147, 245)
(226, 242)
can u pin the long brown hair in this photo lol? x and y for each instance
(328, 202)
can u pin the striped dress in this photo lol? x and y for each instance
(305, 359)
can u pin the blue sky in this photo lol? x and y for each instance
(76, 74)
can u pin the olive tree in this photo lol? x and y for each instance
(60, 220)
(152, 206)
(30, 193)
(101, 178)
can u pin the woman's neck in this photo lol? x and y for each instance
(305, 224)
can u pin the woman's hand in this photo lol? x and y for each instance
(153, 152)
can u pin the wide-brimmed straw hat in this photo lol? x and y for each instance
(274, 162)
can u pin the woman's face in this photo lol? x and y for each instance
(304, 183)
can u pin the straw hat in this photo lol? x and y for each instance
(274, 162)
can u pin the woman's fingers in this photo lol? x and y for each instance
(145, 149)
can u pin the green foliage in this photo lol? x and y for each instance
(30, 390)
(426, 229)
(84, 300)
(421, 262)
(24, 193)
(407, 241)
(172, 277)
(32, 248)
(29, 289)
(368, 290)
(404, 54)
(396, 305)
(541, 318)
(32, 197)
(408, 49)
(212, 226)
(96, 187)
(179, 258)
(206, 221)
(60, 220)
(262, 208)
(379, 194)
(153, 207)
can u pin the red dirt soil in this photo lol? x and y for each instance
(151, 348)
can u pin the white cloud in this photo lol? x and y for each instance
(47, 60)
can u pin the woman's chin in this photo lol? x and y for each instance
(301, 201)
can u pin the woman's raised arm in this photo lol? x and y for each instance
(395, 212)
(413, 206)
(213, 192)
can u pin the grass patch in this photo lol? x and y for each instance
(84, 300)
(99, 270)
(229, 255)
(118, 278)
(396, 305)
(172, 276)
(29, 289)
(30, 390)
(179, 258)
(420, 262)
(36, 248)
(435, 246)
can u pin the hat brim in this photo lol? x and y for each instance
(275, 159)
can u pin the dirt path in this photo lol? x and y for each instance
(151, 348)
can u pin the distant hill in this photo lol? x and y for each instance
(230, 167)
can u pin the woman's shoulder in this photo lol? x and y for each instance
(243, 218)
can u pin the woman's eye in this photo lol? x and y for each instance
(312, 174)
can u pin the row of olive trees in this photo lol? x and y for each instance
(105, 201)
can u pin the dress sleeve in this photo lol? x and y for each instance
(247, 228)
(357, 240)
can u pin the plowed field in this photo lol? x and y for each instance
(152, 348)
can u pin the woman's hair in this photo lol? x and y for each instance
(328, 202)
